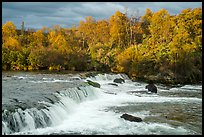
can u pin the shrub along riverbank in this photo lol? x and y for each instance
(156, 46)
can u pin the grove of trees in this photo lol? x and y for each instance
(155, 44)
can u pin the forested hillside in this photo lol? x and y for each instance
(157, 45)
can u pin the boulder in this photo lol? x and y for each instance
(131, 118)
(119, 80)
(94, 84)
(112, 84)
(151, 87)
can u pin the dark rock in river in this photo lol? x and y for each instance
(112, 84)
(119, 80)
(151, 87)
(131, 118)
(94, 84)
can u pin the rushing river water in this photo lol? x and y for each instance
(64, 104)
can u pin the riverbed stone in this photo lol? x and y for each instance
(151, 87)
(119, 80)
(94, 84)
(131, 118)
(112, 84)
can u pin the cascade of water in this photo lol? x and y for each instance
(51, 115)
(78, 111)
(109, 77)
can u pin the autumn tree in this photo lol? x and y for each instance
(118, 29)
(146, 20)
(10, 45)
(86, 30)
(186, 43)
(102, 32)
(161, 34)
(10, 37)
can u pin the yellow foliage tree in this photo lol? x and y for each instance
(118, 30)
(9, 36)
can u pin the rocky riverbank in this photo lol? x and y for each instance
(168, 80)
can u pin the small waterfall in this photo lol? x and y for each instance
(50, 115)
(109, 77)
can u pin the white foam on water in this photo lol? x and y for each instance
(90, 118)
(94, 116)
(50, 81)
(187, 88)
(20, 77)
(53, 80)
(193, 87)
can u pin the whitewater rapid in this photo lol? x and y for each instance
(89, 110)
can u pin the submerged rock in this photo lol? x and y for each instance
(119, 80)
(131, 118)
(94, 84)
(112, 84)
(151, 87)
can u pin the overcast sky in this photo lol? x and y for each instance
(67, 14)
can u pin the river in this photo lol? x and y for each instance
(41, 103)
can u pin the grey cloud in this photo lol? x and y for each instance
(67, 14)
